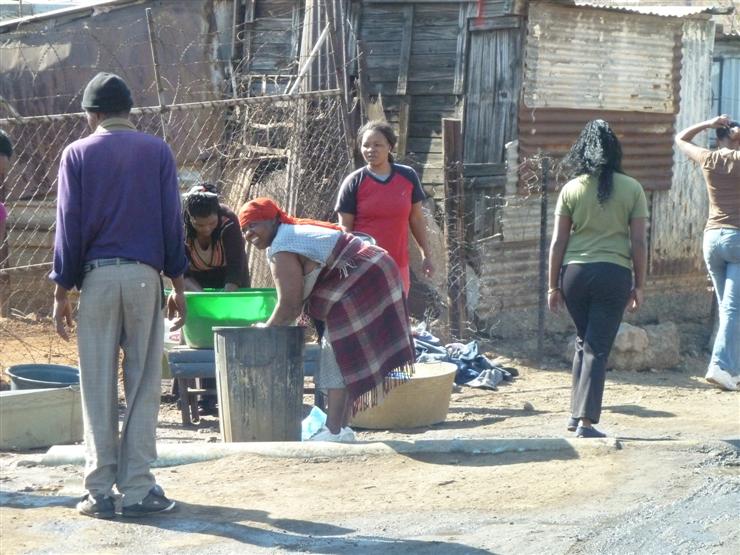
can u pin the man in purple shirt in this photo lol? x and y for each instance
(119, 226)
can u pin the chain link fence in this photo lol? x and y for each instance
(285, 147)
(215, 80)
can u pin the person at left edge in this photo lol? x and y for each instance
(6, 151)
(119, 225)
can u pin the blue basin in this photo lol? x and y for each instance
(42, 376)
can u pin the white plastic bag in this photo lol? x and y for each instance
(312, 423)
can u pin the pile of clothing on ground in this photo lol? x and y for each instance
(473, 368)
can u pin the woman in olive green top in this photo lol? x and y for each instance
(597, 244)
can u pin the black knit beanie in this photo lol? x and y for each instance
(107, 92)
(6, 147)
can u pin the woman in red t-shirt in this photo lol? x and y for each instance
(383, 199)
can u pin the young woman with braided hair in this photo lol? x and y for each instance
(216, 257)
(597, 244)
(213, 242)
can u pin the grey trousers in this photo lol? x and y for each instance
(120, 309)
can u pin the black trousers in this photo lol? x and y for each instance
(596, 295)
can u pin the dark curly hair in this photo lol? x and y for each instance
(598, 153)
(200, 201)
(724, 132)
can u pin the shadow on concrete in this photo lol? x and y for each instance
(637, 410)
(24, 500)
(249, 527)
(484, 452)
(482, 417)
(258, 528)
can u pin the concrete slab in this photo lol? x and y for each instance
(32, 418)
(186, 453)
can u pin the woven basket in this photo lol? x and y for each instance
(421, 401)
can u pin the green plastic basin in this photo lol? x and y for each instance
(213, 307)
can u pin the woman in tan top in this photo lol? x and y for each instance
(721, 169)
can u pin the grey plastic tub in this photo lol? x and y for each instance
(42, 376)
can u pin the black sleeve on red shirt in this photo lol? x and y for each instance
(418, 194)
(347, 197)
(236, 258)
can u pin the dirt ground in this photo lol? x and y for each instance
(672, 487)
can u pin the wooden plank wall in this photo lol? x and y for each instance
(415, 61)
(493, 84)
(271, 38)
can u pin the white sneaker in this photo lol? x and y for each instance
(324, 434)
(722, 378)
(347, 435)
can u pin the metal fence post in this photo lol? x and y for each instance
(157, 76)
(454, 225)
(542, 293)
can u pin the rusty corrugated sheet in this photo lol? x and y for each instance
(596, 59)
(679, 214)
(647, 139)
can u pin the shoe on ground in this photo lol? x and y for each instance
(722, 378)
(589, 432)
(154, 502)
(207, 410)
(347, 435)
(97, 506)
(324, 434)
(572, 424)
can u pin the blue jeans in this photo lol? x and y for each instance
(722, 255)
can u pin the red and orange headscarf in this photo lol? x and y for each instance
(263, 208)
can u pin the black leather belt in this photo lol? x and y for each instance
(100, 262)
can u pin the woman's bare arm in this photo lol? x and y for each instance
(347, 221)
(685, 136)
(418, 225)
(560, 238)
(638, 240)
(287, 272)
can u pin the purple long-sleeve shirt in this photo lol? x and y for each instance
(117, 197)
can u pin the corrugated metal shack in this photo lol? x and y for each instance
(726, 69)
(647, 74)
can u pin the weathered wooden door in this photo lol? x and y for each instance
(493, 82)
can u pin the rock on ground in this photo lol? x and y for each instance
(641, 348)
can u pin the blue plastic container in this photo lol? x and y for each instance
(42, 376)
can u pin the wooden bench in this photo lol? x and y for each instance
(188, 365)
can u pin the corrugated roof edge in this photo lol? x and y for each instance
(13, 24)
(711, 8)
